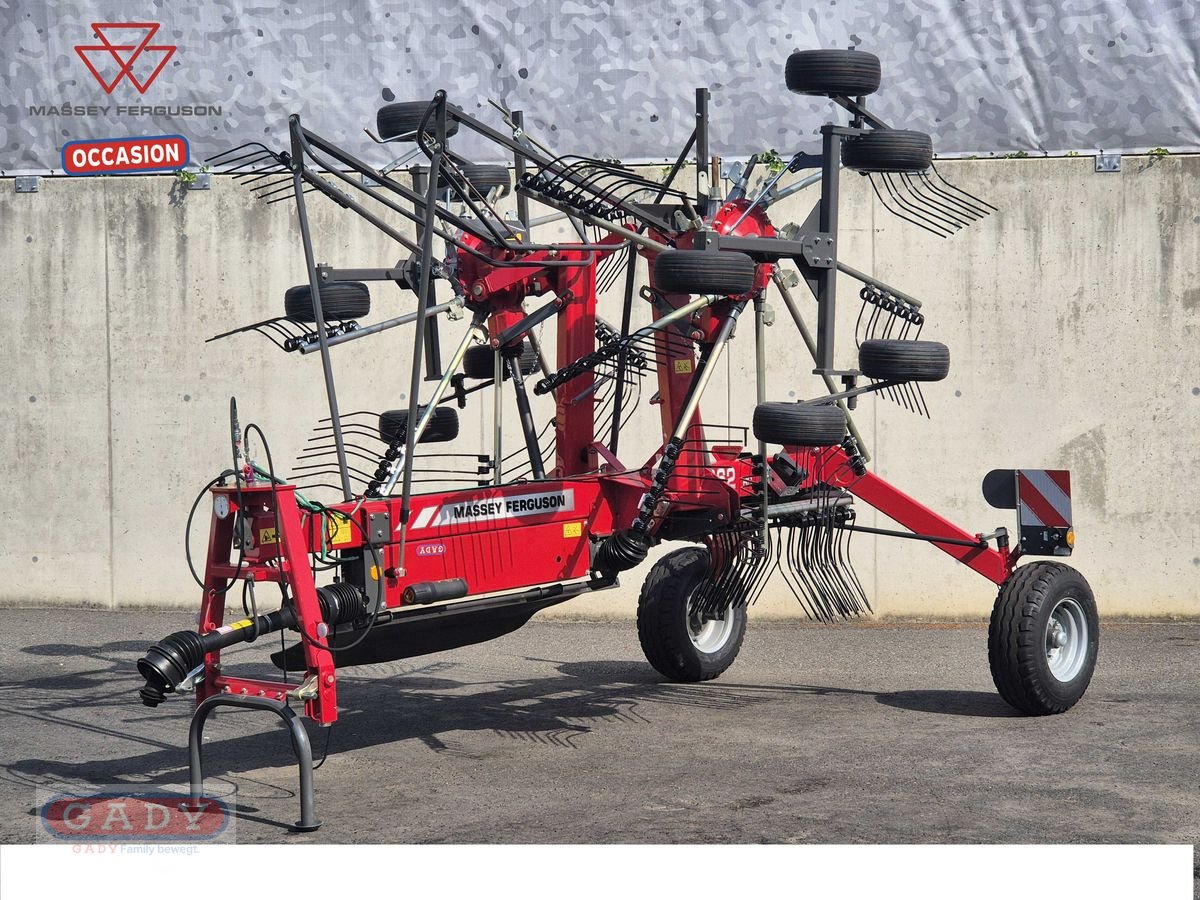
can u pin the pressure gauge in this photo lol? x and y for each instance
(221, 505)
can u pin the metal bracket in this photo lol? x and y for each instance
(819, 251)
(202, 182)
(1108, 162)
(26, 184)
(379, 527)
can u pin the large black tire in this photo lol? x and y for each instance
(398, 119)
(479, 361)
(891, 360)
(888, 150)
(441, 428)
(1043, 638)
(339, 300)
(799, 426)
(842, 73)
(702, 272)
(675, 642)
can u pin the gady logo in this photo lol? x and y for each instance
(126, 44)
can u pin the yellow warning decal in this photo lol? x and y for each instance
(268, 536)
(340, 530)
(683, 366)
(572, 529)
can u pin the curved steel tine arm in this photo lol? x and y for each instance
(260, 174)
(900, 215)
(273, 188)
(954, 187)
(250, 174)
(248, 162)
(952, 214)
(278, 324)
(977, 212)
(955, 210)
(260, 151)
(942, 199)
(289, 196)
(932, 218)
(259, 144)
(320, 452)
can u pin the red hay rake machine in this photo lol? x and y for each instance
(412, 572)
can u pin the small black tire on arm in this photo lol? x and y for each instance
(703, 272)
(442, 427)
(894, 360)
(842, 73)
(670, 636)
(480, 361)
(800, 426)
(1022, 638)
(398, 119)
(339, 300)
(888, 150)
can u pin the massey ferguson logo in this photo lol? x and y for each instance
(125, 52)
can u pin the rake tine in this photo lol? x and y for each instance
(924, 403)
(965, 200)
(898, 194)
(261, 146)
(270, 190)
(290, 196)
(965, 208)
(259, 329)
(900, 215)
(963, 218)
(248, 159)
(957, 189)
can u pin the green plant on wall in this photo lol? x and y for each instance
(188, 178)
(772, 160)
(1159, 152)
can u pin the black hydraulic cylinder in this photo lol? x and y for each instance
(513, 363)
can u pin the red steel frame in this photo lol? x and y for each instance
(552, 546)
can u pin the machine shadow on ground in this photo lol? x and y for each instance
(382, 704)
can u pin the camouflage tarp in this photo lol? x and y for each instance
(611, 78)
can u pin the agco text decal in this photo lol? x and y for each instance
(485, 509)
(166, 152)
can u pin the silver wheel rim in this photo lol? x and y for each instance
(1066, 639)
(709, 635)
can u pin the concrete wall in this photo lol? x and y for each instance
(1071, 316)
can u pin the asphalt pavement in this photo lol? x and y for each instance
(561, 732)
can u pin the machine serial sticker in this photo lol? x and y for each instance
(572, 529)
(683, 366)
(486, 509)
